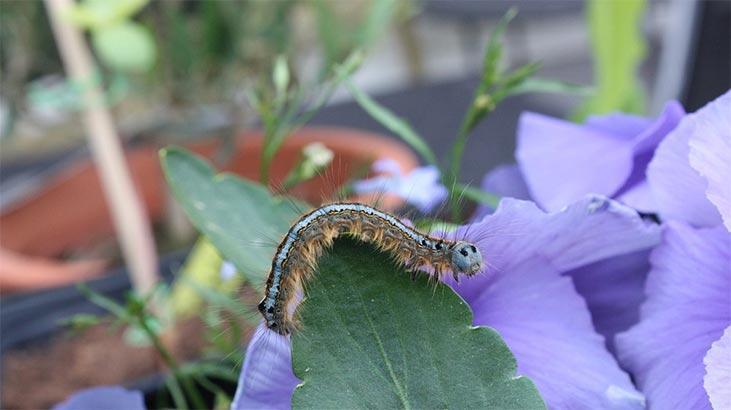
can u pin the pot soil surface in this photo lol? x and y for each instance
(40, 376)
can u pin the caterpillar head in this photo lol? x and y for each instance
(466, 258)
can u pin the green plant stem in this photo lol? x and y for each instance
(170, 361)
(455, 164)
(282, 128)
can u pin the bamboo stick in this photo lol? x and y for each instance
(130, 219)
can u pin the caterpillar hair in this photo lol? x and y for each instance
(295, 260)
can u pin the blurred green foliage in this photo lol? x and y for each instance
(496, 84)
(189, 54)
(618, 47)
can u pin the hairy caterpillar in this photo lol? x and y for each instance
(297, 254)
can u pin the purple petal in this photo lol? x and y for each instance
(623, 125)
(267, 380)
(613, 289)
(562, 161)
(717, 380)
(668, 120)
(421, 187)
(505, 181)
(547, 326)
(590, 230)
(710, 153)
(686, 310)
(639, 196)
(387, 166)
(678, 189)
(104, 397)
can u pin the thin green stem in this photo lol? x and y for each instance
(170, 361)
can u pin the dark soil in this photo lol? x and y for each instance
(40, 376)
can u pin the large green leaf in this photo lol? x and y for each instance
(242, 219)
(373, 338)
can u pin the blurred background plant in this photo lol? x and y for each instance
(179, 67)
(175, 71)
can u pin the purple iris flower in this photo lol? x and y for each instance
(608, 155)
(421, 187)
(523, 295)
(103, 397)
(679, 350)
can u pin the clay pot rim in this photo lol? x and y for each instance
(350, 141)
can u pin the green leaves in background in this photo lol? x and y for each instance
(373, 338)
(239, 217)
(284, 114)
(94, 14)
(127, 46)
(202, 270)
(393, 123)
(338, 38)
(619, 48)
(122, 44)
(478, 195)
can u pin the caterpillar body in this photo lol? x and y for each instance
(296, 257)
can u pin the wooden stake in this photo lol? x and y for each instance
(129, 216)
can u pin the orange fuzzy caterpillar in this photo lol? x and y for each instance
(297, 255)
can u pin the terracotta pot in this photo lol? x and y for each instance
(71, 212)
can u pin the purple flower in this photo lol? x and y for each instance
(421, 187)
(613, 287)
(687, 309)
(505, 181)
(688, 290)
(103, 397)
(690, 175)
(267, 380)
(608, 155)
(524, 296)
(718, 372)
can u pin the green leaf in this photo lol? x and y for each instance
(180, 58)
(80, 321)
(519, 76)
(478, 195)
(545, 85)
(494, 50)
(393, 123)
(127, 46)
(104, 302)
(619, 48)
(482, 103)
(376, 19)
(241, 218)
(282, 127)
(280, 79)
(373, 338)
(328, 29)
(100, 13)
